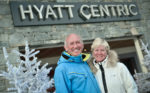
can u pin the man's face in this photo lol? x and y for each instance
(74, 46)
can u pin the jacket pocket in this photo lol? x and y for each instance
(78, 80)
(76, 75)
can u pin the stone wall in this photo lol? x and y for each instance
(12, 37)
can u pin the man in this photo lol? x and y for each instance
(73, 75)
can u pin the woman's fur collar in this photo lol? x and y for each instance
(112, 61)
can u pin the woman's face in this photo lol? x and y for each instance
(99, 53)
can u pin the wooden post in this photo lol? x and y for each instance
(139, 50)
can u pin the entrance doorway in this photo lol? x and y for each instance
(131, 62)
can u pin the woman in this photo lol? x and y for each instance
(112, 76)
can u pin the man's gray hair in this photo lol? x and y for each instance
(65, 41)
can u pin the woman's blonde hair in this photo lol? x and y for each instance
(100, 41)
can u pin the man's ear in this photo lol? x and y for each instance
(65, 48)
(83, 46)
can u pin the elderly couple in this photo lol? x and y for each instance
(77, 72)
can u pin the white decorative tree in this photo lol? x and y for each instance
(26, 76)
(143, 79)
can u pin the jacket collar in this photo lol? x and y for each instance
(80, 58)
(103, 63)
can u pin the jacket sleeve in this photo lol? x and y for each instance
(129, 83)
(62, 83)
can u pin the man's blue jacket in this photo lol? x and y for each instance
(73, 75)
